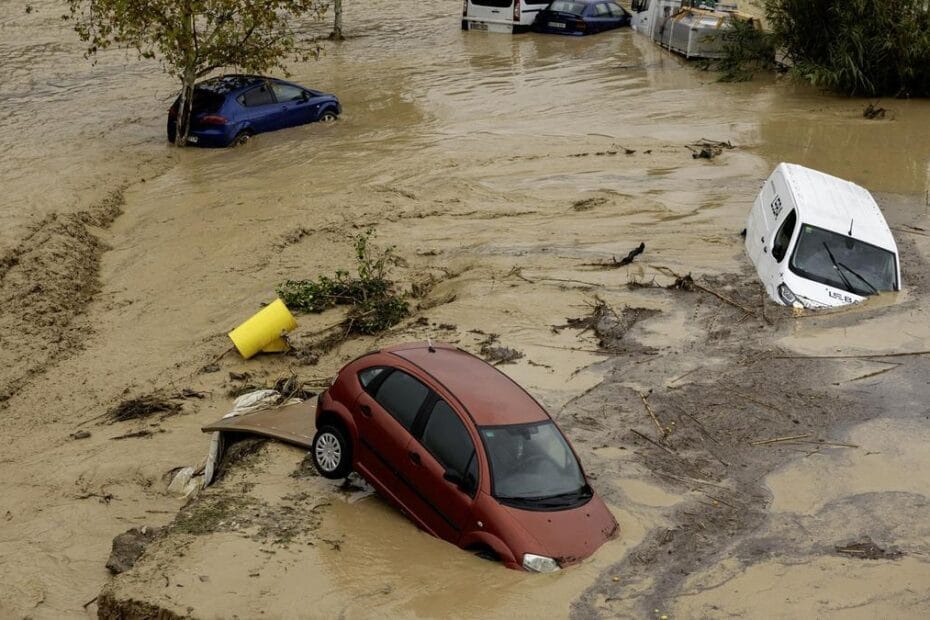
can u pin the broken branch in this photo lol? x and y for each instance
(764, 442)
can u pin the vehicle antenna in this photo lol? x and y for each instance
(850, 227)
(429, 343)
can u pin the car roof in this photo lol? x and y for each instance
(490, 397)
(832, 203)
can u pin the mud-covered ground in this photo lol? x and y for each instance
(757, 461)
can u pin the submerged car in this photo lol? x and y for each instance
(580, 17)
(229, 110)
(464, 452)
(818, 241)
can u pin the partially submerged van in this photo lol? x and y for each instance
(506, 16)
(818, 241)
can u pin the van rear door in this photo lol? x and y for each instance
(489, 12)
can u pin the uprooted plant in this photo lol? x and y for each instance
(376, 303)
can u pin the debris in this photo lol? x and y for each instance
(662, 431)
(183, 482)
(588, 203)
(607, 325)
(707, 149)
(652, 441)
(80, 435)
(128, 547)
(142, 407)
(264, 331)
(872, 112)
(626, 260)
(865, 549)
(763, 442)
(306, 469)
(497, 355)
(137, 434)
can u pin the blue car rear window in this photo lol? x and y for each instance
(206, 101)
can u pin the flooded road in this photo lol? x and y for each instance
(496, 164)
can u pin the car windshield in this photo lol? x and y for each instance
(532, 463)
(843, 262)
(563, 6)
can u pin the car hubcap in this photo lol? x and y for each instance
(328, 452)
(328, 118)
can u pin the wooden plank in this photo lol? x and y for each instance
(293, 424)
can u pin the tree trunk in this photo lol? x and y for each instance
(184, 108)
(188, 78)
(337, 21)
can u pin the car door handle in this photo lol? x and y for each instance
(366, 410)
(414, 457)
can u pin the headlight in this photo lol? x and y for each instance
(539, 563)
(786, 295)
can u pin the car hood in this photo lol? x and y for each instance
(571, 535)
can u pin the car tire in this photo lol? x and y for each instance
(242, 137)
(328, 116)
(332, 453)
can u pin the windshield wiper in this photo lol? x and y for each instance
(867, 283)
(839, 270)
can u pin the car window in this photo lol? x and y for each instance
(287, 92)
(260, 95)
(402, 396)
(616, 10)
(446, 437)
(566, 6)
(783, 238)
(365, 377)
(601, 10)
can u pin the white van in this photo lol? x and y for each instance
(818, 241)
(506, 16)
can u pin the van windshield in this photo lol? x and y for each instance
(533, 467)
(843, 262)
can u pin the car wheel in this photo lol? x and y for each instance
(242, 137)
(328, 116)
(332, 454)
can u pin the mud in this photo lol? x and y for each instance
(499, 166)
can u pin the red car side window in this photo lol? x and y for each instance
(447, 439)
(402, 396)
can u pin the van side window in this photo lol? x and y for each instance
(783, 238)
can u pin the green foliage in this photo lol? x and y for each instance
(376, 305)
(748, 49)
(859, 47)
(192, 38)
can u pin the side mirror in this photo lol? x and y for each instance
(305, 96)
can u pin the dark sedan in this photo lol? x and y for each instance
(580, 17)
(229, 110)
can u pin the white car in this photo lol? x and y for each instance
(818, 241)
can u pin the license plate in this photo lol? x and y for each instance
(478, 26)
(556, 25)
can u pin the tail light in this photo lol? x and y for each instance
(214, 119)
(464, 8)
(580, 25)
(516, 11)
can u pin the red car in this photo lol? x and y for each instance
(463, 451)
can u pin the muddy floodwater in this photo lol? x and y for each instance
(503, 169)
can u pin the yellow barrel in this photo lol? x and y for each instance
(264, 328)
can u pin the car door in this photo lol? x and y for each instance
(259, 108)
(443, 466)
(296, 105)
(599, 17)
(773, 260)
(385, 414)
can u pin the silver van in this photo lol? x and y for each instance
(818, 241)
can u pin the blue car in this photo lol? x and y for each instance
(229, 110)
(580, 17)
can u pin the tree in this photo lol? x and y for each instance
(192, 38)
(860, 47)
(337, 21)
